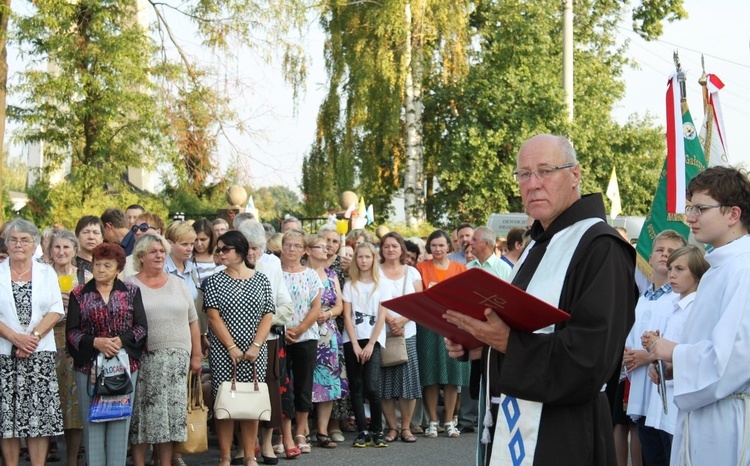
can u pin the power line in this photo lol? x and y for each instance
(743, 65)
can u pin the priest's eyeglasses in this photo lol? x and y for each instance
(522, 176)
(697, 210)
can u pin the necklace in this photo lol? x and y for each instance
(19, 275)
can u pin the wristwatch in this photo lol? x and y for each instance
(37, 334)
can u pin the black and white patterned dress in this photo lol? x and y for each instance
(241, 305)
(29, 400)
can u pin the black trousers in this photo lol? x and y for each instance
(364, 382)
(300, 362)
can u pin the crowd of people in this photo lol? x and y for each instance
(207, 296)
(304, 313)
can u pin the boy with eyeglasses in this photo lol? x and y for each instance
(710, 366)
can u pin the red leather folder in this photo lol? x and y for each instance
(471, 292)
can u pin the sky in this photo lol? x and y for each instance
(282, 130)
(718, 29)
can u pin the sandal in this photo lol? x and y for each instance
(451, 430)
(391, 435)
(432, 430)
(325, 441)
(416, 429)
(292, 453)
(303, 446)
(278, 448)
(407, 438)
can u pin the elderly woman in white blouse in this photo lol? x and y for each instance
(30, 306)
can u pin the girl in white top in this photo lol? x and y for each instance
(686, 266)
(364, 320)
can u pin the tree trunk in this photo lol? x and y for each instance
(414, 169)
(4, 14)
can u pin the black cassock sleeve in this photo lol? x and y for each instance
(570, 365)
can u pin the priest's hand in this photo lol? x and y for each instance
(457, 351)
(493, 332)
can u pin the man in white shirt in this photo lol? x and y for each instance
(483, 243)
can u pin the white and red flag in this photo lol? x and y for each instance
(713, 135)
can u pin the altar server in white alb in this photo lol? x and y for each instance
(711, 364)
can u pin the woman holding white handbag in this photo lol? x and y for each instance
(240, 308)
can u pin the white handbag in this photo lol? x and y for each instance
(245, 401)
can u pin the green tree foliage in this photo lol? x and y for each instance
(475, 127)
(648, 16)
(204, 201)
(62, 204)
(360, 141)
(14, 174)
(481, 101)
(87, 91)
(275, 202)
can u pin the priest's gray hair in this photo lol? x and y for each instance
(486, 235)
(254, 233)
(567, 150)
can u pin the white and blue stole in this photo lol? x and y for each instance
(517, 423)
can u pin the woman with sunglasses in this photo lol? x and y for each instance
(147, 222)
(240, 308)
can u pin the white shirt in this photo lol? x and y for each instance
(655, 416)
(396, 288)
(365, 301)
(714, 361)
(284, 305)
(649, 315)
(45, 298)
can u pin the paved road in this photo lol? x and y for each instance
(429, 452)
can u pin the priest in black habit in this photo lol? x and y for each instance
(544, 399)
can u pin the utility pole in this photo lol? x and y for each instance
(568, 56)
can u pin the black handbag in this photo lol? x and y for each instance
(110, 379)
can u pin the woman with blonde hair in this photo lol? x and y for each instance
(328, 379)
(159, 410)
